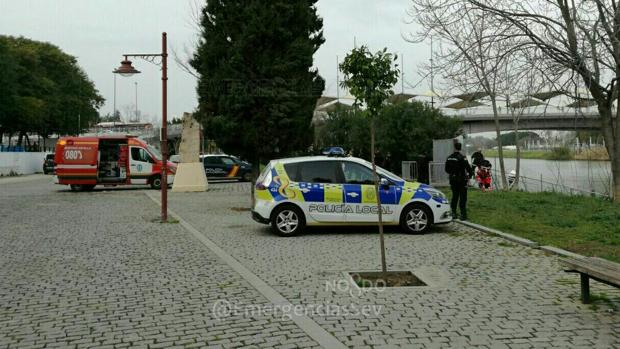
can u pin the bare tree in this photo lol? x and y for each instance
(193, 22)
(578, 36)
(525, 75)
(474, 53)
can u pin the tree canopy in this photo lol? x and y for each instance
(405, 131)
(510, 138)
(43, 89)
(370, 77)
(257, 88)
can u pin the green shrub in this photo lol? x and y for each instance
(560, 153)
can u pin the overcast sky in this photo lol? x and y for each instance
(99, 32)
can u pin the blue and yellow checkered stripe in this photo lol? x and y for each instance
(282, 188)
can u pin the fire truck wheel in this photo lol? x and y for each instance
(156, 182)
(81, 187)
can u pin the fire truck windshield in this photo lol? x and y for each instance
(154, 152)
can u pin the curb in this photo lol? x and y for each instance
(513, 238)
(529, 243)
(561, 252)
(315, 331)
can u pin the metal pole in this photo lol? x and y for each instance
(337, 79)
(432, 77)
(114, 112)
(541, 183)
(164, 130)
(402, 74)
(136, 114)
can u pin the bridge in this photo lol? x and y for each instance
(566, 121)
(478, 117)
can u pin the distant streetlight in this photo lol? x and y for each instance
(114, 111)
(126, 70)
(136, 113)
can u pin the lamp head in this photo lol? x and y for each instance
(126, 69)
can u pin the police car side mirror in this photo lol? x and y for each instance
(384, 182)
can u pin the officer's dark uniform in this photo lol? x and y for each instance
(460, 172)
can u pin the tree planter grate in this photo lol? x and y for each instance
(377, 279)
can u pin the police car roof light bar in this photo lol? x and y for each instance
(333, 151)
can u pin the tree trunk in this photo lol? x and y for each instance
(500, 150)
(376, 179)
(615, 173)
(515, 184)
(20, 139)
(613, 147)
(255, 174)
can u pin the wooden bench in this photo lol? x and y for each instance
(593, 268)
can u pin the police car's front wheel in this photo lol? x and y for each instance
(416, 219)
(287, 220)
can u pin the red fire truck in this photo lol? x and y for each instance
(84, 162)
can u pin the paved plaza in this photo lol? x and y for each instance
(96, 270)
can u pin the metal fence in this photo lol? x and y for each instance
(409, 170)
(438, 177)
(437, 174)
(529, 184)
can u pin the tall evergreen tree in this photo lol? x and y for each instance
(257, 88)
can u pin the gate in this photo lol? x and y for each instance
(409, 170)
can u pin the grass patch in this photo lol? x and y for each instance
(241, 209)
(565, 281)
(584, 225)
(604, 299)
(169, 221)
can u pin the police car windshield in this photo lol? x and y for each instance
(385, 173)
(154, 151)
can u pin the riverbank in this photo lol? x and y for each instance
(594, 154)
(583, 225)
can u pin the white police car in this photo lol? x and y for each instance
(325, 190)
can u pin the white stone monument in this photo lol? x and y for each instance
(190, 176)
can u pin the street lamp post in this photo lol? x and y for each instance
(126, 69)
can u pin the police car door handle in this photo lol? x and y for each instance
(354, 194)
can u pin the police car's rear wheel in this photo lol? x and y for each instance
(287, 221)
(416, 219)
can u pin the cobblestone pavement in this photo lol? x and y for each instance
(93, 270)
(83, 270)
(483, 292)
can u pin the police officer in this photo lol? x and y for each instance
(459, 171)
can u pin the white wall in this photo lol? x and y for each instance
(21, 163)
